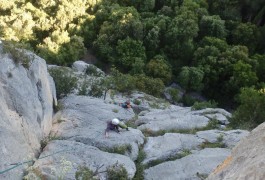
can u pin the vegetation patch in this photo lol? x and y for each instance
(117, 172)
(84, 173)
(174, 93)
(47, 139)
(139, 166)
(65, 83)
(213, 124)
(33, 173)
(212, 145)
(180, 155)
(218, 144)
(118, 149)
(131, 122)
(137, 101)
(115, 110)
(203, 105)
(93, 71)
(18, 53)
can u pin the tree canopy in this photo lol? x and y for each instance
(216, 47)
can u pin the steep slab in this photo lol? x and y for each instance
(201, 163)
(62, 159)
(26, 97)
(247, 159)
(83, 119)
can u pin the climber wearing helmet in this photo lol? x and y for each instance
(114, 125)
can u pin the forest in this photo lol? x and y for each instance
(216, 48)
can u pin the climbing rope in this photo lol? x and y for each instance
(25, 162)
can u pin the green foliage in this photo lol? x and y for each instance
(127, 83)
(47, 139)
(226, 69)
(227, 9)
(243, 76)
(18, 53)
(191, 78)
(207, 144)
(159, 68)
(65, 83)
(139, 166)
(122, 82)
(61, 49)
(96, 89)
(188, 100)
(250, 112)
(203, 105)
(133, 34)
(59, 107)
(174, 93)
(116, 172)
(180, 155)
(83, 173)
(152, 86)
(93, 71)
(260, 68)
(212, 26)
(123, 149)
(179, 37)
(212, 124)
(115, 110)
(137, 101)
(245, 34)
(131, 55)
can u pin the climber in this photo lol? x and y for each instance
(114, 125)
(126, 104)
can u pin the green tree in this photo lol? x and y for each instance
(227, 9)
(245, 34)
(190, 78)
(260, 68)
(253, 11)
(159, 68)
(243, 76)
(179, 38)
(250, 112)
(226, 68)
(130, 55)
(212, 26)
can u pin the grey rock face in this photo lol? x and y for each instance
(81, 66)
(84, 120)
(220, 115)
(169, 145)
(229, 138)
(70, 155)
(247, 159)
(26, 111)
(190, 167)
(174, 117)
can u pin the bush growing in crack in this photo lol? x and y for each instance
(65, 83)
(123, 149)
(18, 52)
(183, 153)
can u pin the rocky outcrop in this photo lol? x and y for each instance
(26, 97)
(229, 138)
(74, 155)
(84, 119)
(247, 159)
(77, 130)
(194, 166)
(80, 127)
(169, 145)
(174, 117)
